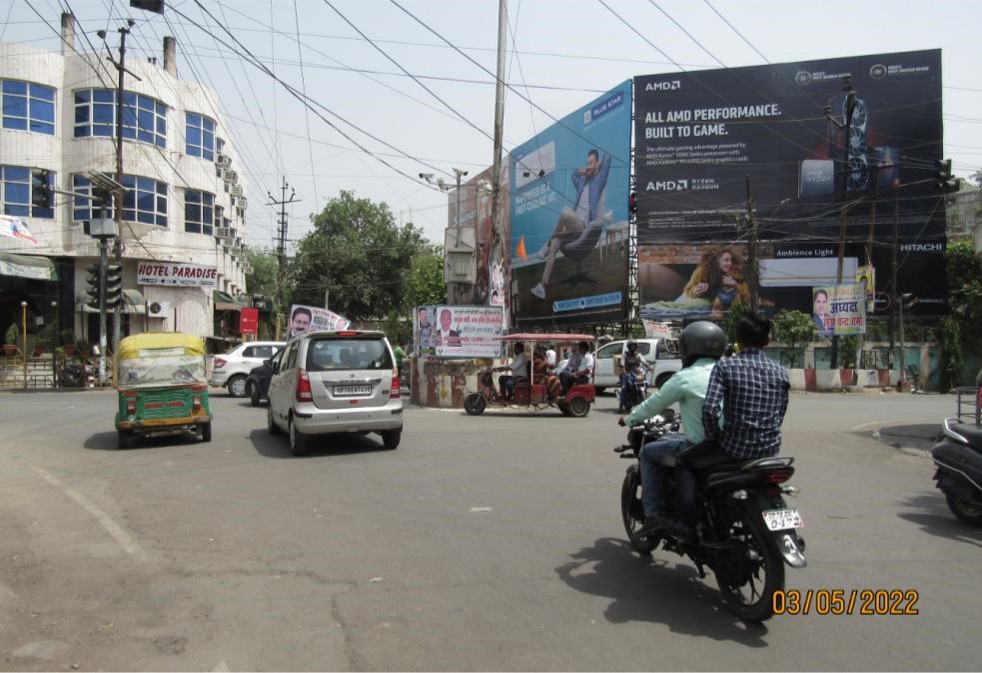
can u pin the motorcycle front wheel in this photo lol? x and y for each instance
(966, 511)
(751, 570)
(632, 512)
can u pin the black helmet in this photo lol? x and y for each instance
(701, 339)
(632, 342)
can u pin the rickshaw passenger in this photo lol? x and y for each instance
(540, 365)
(519, 372)
(579, 368)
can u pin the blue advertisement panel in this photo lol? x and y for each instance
(569, 216)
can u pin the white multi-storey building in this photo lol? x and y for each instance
(184, 201)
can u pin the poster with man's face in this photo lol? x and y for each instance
(312, 318)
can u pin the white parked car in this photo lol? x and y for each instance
(231, 369)
(661, 355)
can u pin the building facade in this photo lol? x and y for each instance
(184, 203)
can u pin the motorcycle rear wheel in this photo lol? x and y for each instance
(966, 511)
(632, 512)
(752, 599)
(474, 404)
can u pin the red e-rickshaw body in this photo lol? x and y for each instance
(532, 394)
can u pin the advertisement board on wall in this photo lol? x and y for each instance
(705, 139)
(569, 221)
(458, 331)
(839, 309)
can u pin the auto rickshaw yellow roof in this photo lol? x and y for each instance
(131, 346)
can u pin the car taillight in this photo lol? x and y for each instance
(304, 392)
(396, 390)
(219, 363)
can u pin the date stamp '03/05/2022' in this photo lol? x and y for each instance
(866, 602)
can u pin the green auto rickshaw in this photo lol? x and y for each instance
(162, 386)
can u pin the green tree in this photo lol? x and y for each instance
(425, 283)
(265, 269)
(359, 256)
(793, 329)
(965, 300)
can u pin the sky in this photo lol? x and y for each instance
(363, 65)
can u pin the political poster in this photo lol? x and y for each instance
(458, 331)
(839, 310)
(314, 319)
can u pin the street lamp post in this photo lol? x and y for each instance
(23, 326)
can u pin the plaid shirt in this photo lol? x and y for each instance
(750, 392)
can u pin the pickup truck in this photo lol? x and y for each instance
(660, 354)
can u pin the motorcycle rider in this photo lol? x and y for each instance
(755, 390)
(701, 344)
(632, 374)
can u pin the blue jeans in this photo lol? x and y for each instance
(669, 445)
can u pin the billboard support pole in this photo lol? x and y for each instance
(850, 108)
(499, 122)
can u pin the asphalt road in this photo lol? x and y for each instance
(490, 543)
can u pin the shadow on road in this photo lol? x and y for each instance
(335, 445)
(931, 513)
(107, 441)
(647, 590)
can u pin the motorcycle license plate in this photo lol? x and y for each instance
(352, 390)
(782, 519)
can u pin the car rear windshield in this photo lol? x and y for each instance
(334, 354)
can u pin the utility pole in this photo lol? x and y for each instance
(846, 145)
(500, 246)
(281, 240)
(118, 244)
(754, 280)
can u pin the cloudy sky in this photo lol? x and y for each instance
(382, 72)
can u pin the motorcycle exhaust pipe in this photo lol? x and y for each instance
(791, 548)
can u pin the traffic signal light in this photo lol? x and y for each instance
(114, 285)
(944, 181)
(41, 195)
(632, 203)
(92, 301)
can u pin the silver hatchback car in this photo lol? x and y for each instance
(330, 382)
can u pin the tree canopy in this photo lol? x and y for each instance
(369, 266)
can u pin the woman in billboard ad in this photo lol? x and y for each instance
(686, 280)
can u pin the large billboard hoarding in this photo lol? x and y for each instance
(474, 200)
(458, 331)
(701, 135)
(703, 280)
(569, 217)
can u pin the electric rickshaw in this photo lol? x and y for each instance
(532, 392)
(162, 386)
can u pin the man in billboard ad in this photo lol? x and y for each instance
(843, 311)
(460, 331)
(569, 193)
(804, 144)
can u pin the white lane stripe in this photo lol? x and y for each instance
(125, 540)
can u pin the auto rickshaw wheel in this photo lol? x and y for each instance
(579, 407)
(563, 407)
(474, 404)
(206, 432)
(124, 439)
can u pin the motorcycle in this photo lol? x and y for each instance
(633, 391)
(744, 530)
(958, 457)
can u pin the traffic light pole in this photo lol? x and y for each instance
(103, 263)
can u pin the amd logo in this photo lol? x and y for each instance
(668, 85)
(667, 186)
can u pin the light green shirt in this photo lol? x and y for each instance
(688, 388)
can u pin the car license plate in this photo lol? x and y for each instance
(343, 391)
(782, 519)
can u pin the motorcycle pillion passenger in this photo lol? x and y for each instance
(632, 375)
(701, 344)
(748, 425)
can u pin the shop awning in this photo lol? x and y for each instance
(133, 302)
(224, 301)
(27, 266)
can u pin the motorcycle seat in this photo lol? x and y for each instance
(971, 432)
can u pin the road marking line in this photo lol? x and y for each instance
(125, 540)
(221, 668)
